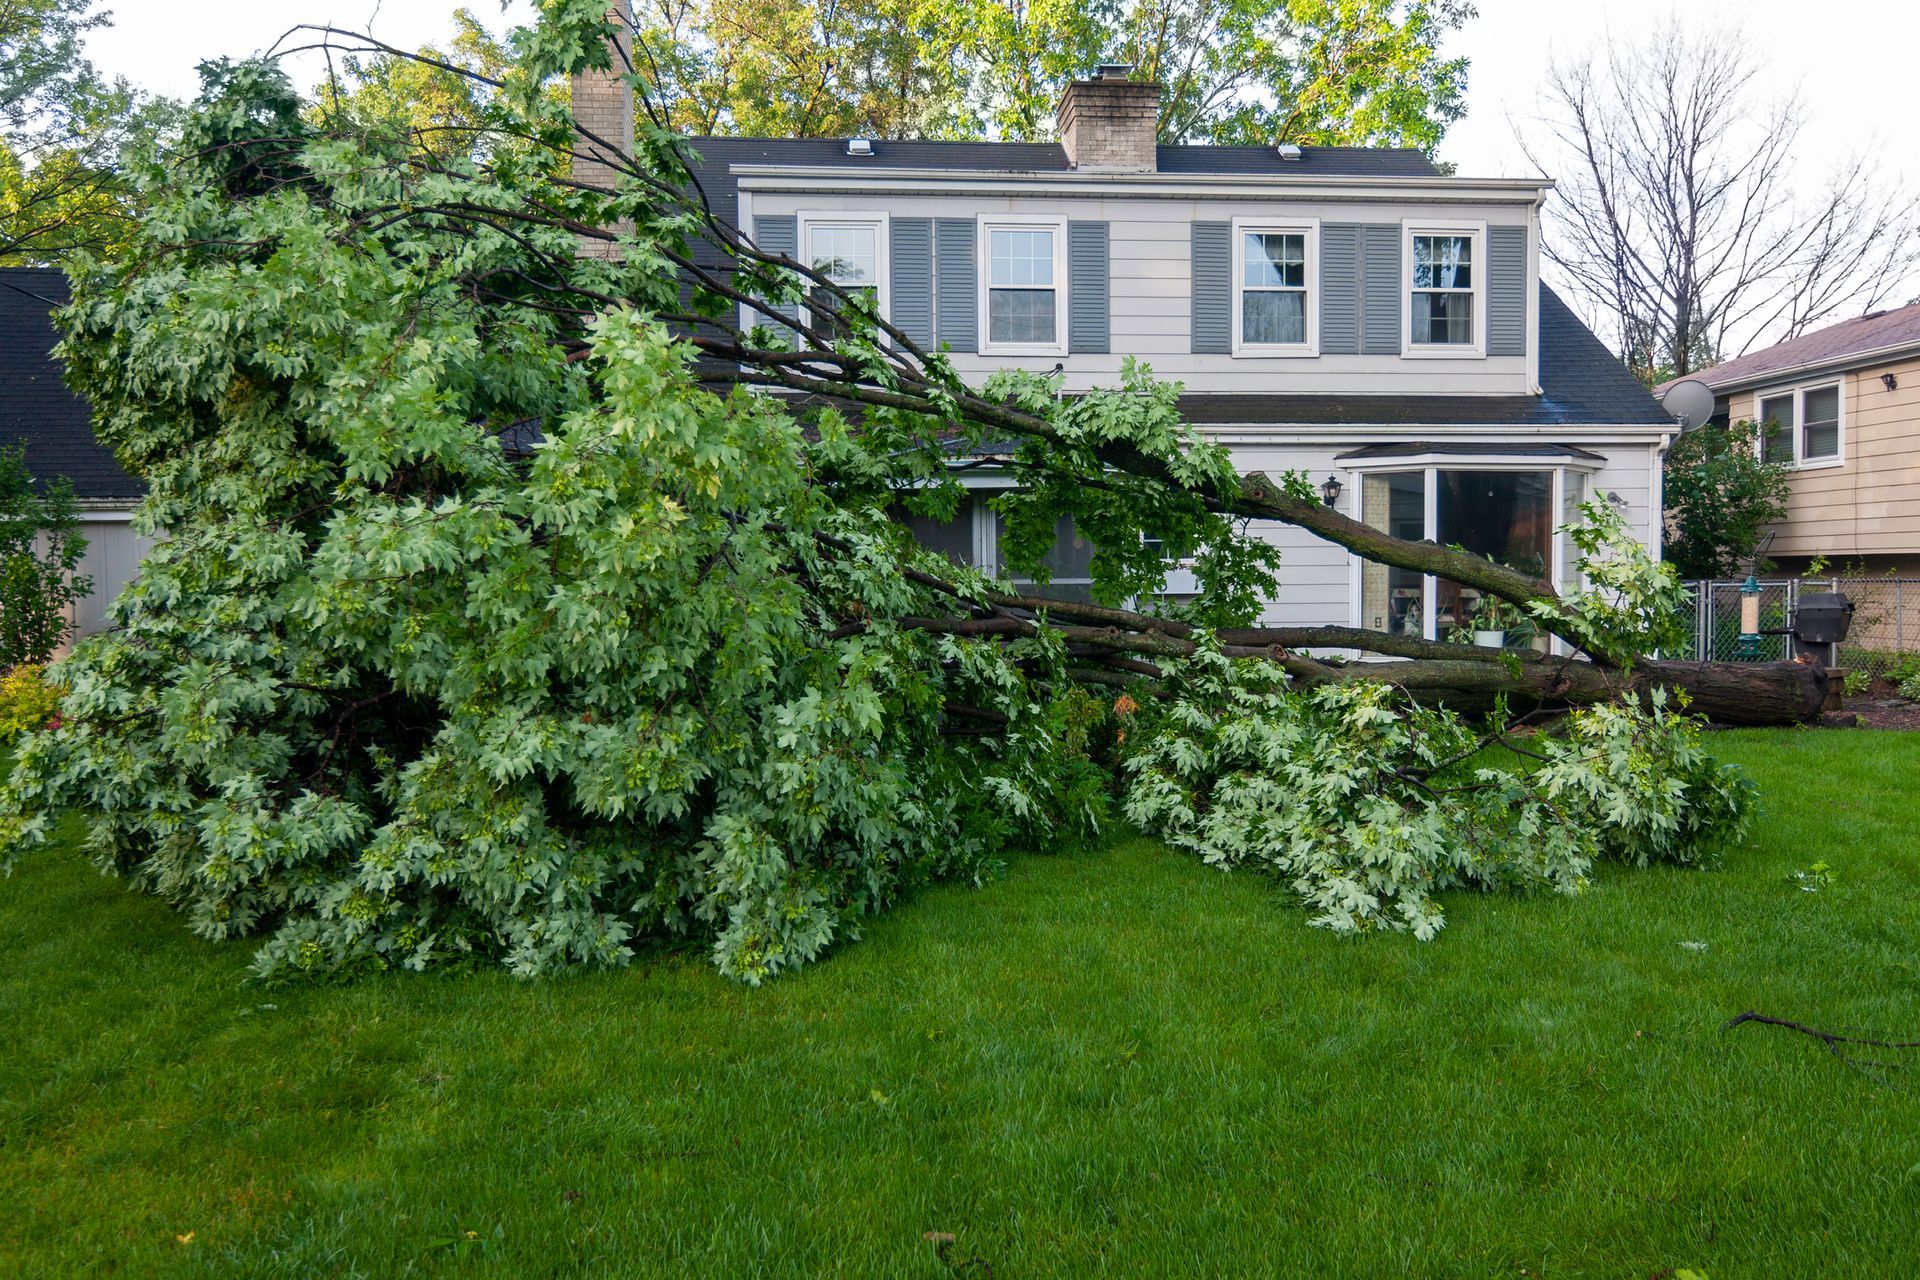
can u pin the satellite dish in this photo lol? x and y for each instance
(1690, 400)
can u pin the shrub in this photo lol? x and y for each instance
(27, 701)
(39, 550)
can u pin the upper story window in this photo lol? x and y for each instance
(1023, 275)
(1445, 291)
(1801, 427)
(1276, 312)
(850, 250)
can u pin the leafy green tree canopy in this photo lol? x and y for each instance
(63, 127)
(508, 614)
(40, 549)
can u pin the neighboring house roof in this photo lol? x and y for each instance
(1466, 448)
(1863, 340)
(1581, 382)
(35, 405)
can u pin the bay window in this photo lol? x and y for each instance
(1023, 275)
(1507, 514)
(1275, 311)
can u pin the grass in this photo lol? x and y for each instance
(1119, 1064)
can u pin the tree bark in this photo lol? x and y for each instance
(1729, 693)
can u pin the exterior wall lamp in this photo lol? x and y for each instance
(1749, 647)
(1331, 490)
(1890, 382)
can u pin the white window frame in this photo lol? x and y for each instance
(1560, 565)
(1309, 228)
(1477, 349)
(1798, 430)
(988, 224)
(808, 219)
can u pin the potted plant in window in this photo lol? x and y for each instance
(1491, 622)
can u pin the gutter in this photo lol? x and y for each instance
(763, 177)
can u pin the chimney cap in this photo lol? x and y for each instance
(1113, 71)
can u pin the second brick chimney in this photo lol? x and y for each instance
(1110, 123)
(603, 106)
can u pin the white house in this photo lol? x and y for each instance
(1349, 312)
(37, 410)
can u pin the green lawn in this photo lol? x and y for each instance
(1117, 1064)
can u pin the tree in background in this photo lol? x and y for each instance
(1248, 71)
(398, 689)
(40, 547)
(1720, 496)
(63, 128)
(1686, 217)
(1326, 72)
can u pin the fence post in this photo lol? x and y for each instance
(1899, 620)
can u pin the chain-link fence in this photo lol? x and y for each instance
(1884, 640)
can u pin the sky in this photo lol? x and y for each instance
(1854, 64)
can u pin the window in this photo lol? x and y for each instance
(1776, 430)
(1801, 427)
(850, 250)
(973, 537)
(1274, 287)
(1507, 515)
(1023, 273)
(1444, 291)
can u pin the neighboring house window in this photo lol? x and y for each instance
(1507, 515)
(1446, 289)
(1023, 274)
(851, 251)
(1275, 312)
(1801, 427)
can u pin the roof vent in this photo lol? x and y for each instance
(859, 146)
(1287, 150)
(1113, 71)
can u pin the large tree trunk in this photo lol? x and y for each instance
(1732, 693)
(1120, 642)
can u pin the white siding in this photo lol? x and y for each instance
(1151, 270)
(114, 552)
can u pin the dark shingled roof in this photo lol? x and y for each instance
(716, 155)
(1581, 382)
(35, 405)
(1467, 448)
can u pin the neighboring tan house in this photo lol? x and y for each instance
(1351, 313)
(1841, 406)
(37, 410)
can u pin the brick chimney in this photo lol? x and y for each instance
(1109, 124)
(603, 105)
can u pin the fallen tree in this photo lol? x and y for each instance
(401, 688)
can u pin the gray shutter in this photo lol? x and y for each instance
(780, 234)
(910, 279)
(956, 285)
(1340, 289)
(1212, 288)
(1506, 291)
(1089, 289)
(1380, 289)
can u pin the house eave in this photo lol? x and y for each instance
(1851, 362)
(866, 180)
